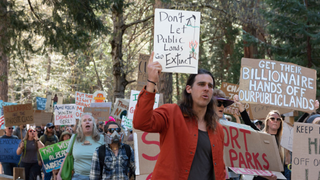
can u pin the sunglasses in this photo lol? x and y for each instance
(10, 128)
(273, 119)
(32, 131)
(111, 130)
(50, 127)
(224, 103)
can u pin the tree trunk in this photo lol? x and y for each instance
(165, 79)
(120, 81)
(3, 51)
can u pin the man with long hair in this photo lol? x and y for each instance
(191, 139)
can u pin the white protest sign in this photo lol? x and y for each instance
(287, 136)
(134, 99)
(277, 84)
(176, 40)
(126, 123)
(82, 100)
(64, 114)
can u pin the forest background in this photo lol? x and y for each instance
(88, 45)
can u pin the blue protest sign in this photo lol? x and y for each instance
(41, 103)
(1, 112)
(8, 148)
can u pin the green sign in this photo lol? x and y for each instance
(53, 155)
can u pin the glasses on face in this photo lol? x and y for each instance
(10, 128)
(111, 130)
(50, 127)
(273, 119)
(224, 103)
(32, 131)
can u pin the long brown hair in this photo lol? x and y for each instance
(186, 103)
(279, 131)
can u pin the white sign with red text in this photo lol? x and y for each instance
(64, 114)
(82, 100)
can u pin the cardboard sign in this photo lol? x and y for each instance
(41, 118)
(277, 84)
(20, 114)
(2, 120)
(52, 156)
(248, 149)
(146, 151)
(99, 97)
(134, 99)
(120, 109)
(82, 100)
(41, 103)
(261, 111)
(287, 136)
(126, 123)
(50, 96)
(142, 70)
(8, 148)
(64, 114)
(230, 90)
(176, 40)
(99, 113)
(305, 152)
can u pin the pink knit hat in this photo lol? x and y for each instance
(110, 119)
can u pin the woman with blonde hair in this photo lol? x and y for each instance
(273, 126)
(86, 140)
(30, 158)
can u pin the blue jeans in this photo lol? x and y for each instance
(8, 168)
(47, 176)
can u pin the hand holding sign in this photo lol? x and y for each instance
(316, 105)
(154, 69)
(236, 100)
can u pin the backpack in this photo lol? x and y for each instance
(102, 154)
(46, 138)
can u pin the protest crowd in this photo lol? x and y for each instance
(234, 132)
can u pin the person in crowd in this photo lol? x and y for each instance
(130, 138)
(273, 126)
(198, 155)
(62, 128)
(100, 126)
(86, 141)
(258, 124)
(39, 130)
(222, 102)
(64, 136)
(69, 129)
(8, 167)
(17, 131)
(57, 131)
(309, 118)
(30, 158)
(55, 100)
(47, 139)
(118, 159)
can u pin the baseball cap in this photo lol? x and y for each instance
(49, 125)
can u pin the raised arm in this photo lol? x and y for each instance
(244, 114)
(305, 115)
(145, 118)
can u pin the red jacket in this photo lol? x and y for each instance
(178, 138)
